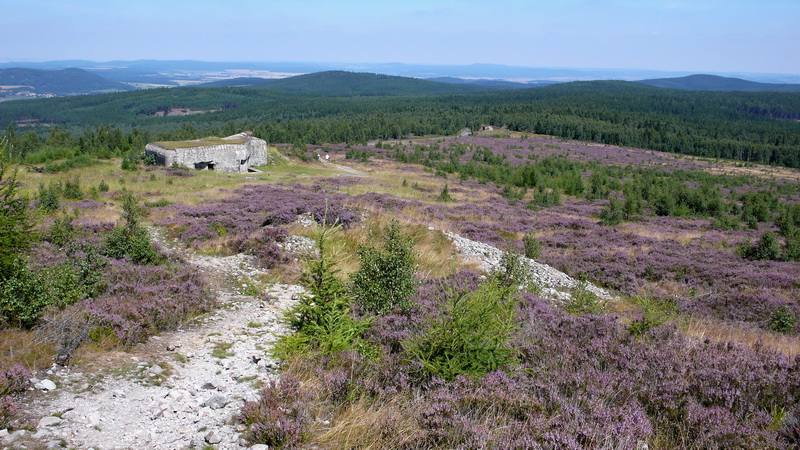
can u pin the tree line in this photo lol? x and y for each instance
(757, 127)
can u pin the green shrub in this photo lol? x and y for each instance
(612, 214)
(385, 279)
(766, 248)
(72, 163)
(72, 189)
(131, 239)
(654, 313)
(512, 193)
(471, 335)
(130, 161)
(533, 249)
(791, 250)
(583, 301)
(102, 187)
(62, 232)
(512, 272)
(726, 222)
(543, 198)
(321, 319)
(23, 296)
(782, 320)
(445, 196)
(48, 198)
(26, 293)
(15, 218)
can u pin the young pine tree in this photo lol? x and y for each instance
(385, 280)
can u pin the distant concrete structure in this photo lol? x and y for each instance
(235, 153)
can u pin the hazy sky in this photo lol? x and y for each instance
(680, 35)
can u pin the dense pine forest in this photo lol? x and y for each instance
(761, 127)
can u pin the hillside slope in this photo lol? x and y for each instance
(347, 84)
(58, 82)
(717, 83)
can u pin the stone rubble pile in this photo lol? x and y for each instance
(554, 282)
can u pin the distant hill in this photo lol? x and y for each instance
(57, 82)
(484, 82)
(339, 83)
(717, 83)
(236, 82)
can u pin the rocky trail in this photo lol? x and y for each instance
(180, 389)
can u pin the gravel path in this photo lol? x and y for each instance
(178, 390)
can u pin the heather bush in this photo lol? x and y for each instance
(7, 411)
(469, 335)
(140, 301)
(12, 380)
(280, 417)
(385, 279)
(263, 244)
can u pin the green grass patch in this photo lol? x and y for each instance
(204, 142)
(221, 350)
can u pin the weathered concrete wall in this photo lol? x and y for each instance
(234, 157)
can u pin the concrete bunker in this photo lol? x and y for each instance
(235, 153)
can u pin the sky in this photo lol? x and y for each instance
(756, 36)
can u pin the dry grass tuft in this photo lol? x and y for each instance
(368, 424)
(718, 331)
(26, 348)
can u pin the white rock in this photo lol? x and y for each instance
(216, 402)
(15, 436)
(93, 419)
(49, 421)
(48, 385)
(41, 433)
(213, 438)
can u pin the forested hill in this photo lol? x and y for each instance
(348, 84)
(59, 82)
(762, 127)
(717, 83)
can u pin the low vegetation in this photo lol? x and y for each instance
(397, 342)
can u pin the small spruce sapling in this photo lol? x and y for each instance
(445, 194)
(385, 281)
